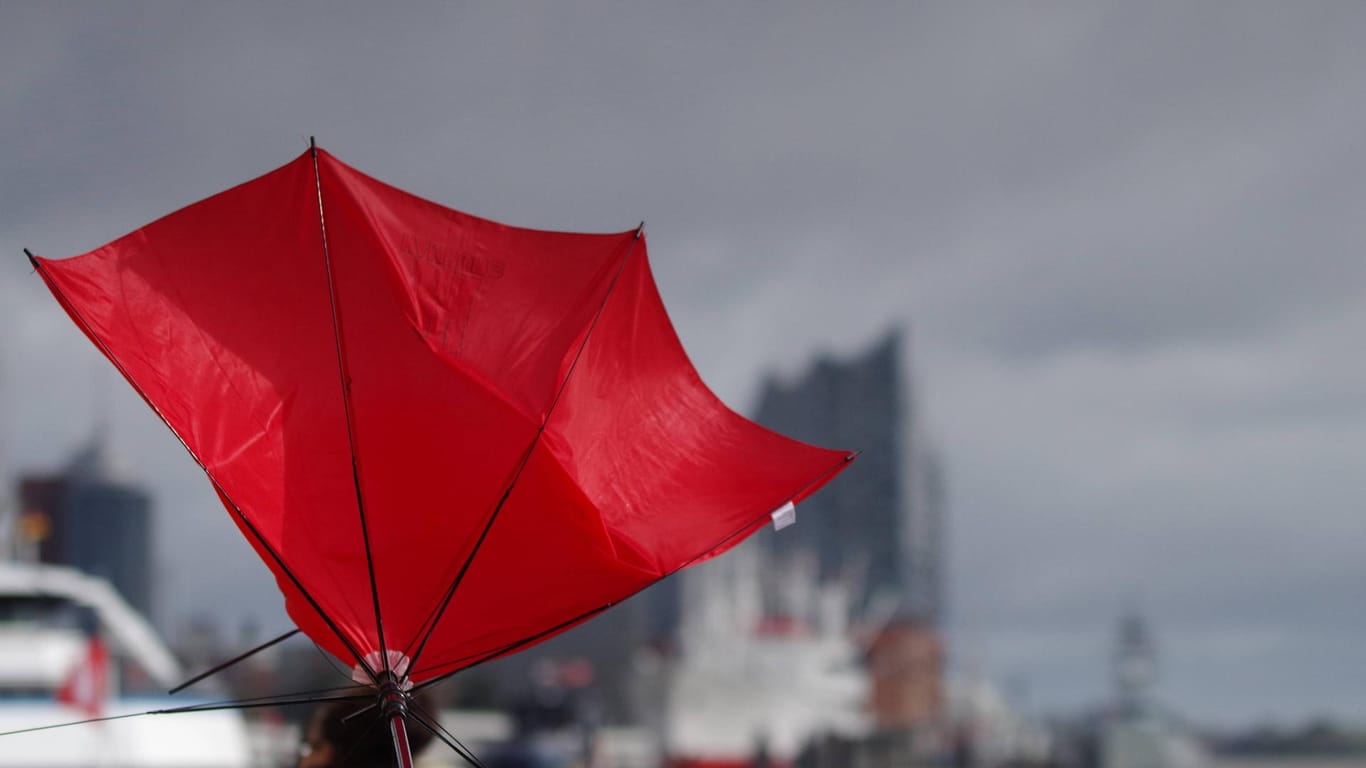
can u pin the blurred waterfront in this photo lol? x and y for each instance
(816, 646)
(1288, 762)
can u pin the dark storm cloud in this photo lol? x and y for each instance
(1126, 240)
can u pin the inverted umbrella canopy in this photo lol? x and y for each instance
(448, 438)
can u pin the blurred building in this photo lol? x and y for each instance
(88, 517)
(905, 663)
(877, 528)
(880, 522)
(766, 664)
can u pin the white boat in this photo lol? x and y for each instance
(47, 616)
(751, 680)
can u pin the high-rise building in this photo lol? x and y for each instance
(877, 528)
(86, 517)
(878, 525)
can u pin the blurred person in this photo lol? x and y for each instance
(362, 742)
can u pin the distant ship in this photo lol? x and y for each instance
(755, 683)
(72, 649)
(1137, 734)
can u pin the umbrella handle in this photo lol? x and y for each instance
(398, 728)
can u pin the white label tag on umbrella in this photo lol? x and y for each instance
(784, 516)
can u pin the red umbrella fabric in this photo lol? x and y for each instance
(449, 438)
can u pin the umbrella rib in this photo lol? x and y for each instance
(434, 617)
(621, 267)
(434, 727)
(327, 657)
(282, 700)
(342, 692)
(485, 656)
(294, 579)
(234, 660)
(344, 378)
(825, 473)
(526, 456)
(84, 325)
(74, 722)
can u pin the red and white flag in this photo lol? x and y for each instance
(87, 685)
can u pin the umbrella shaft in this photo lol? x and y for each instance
(399, 730)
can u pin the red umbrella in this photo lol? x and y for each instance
(448, 438)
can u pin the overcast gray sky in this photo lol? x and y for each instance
(1125, 239)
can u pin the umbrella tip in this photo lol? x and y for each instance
(313, 146)
(31, 258)
(854, 455)
(640, 230)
